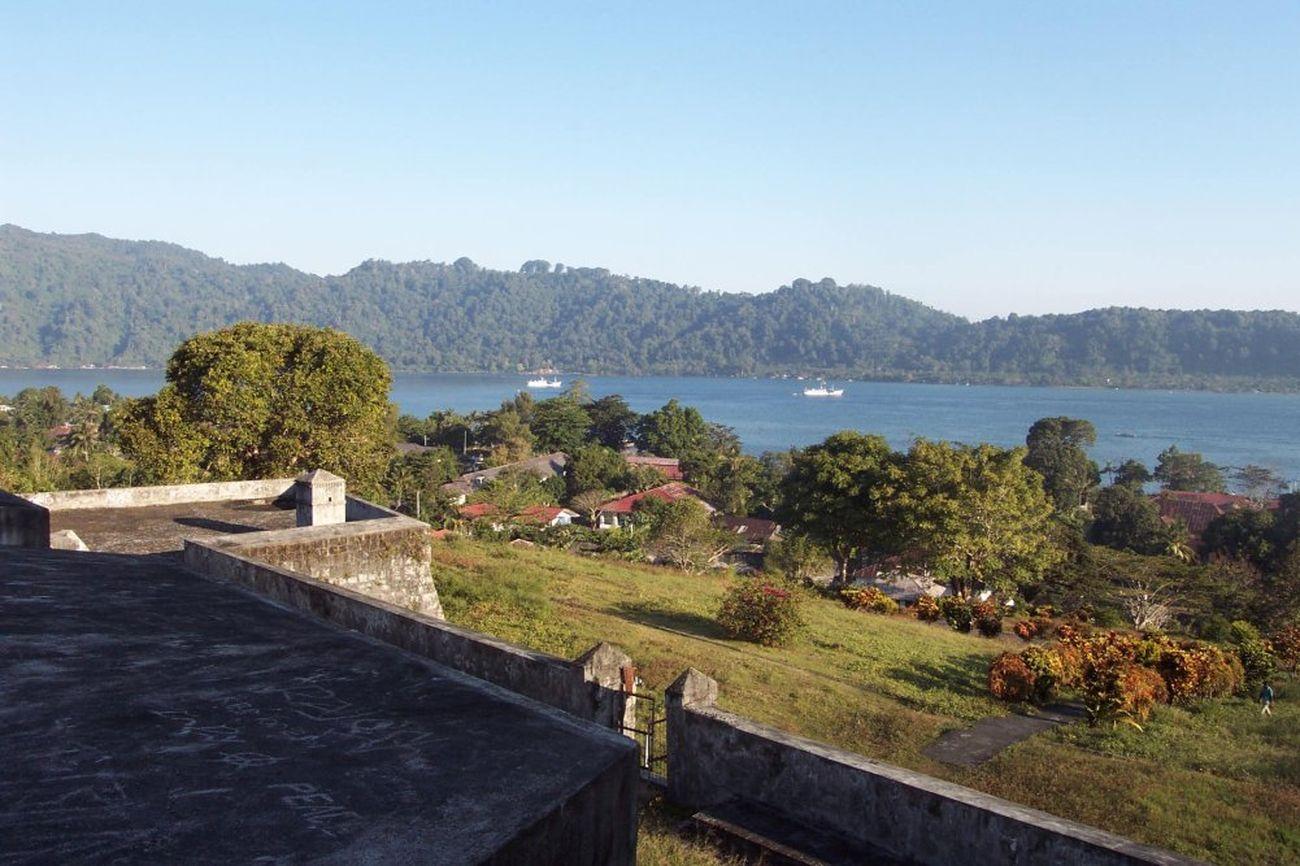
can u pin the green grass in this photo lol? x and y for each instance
(1216, 782)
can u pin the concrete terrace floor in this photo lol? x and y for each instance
(163, 528)
(149, 715)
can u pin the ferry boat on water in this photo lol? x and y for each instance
(545, 383)
(823, 391)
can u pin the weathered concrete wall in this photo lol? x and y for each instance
(384, 559)
(167, 494)
(359, 509)
(588, 688)
(23, 523)
(715, 756)
(597, 825)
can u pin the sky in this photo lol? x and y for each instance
(985, 158)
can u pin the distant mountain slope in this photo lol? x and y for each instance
(87, 299)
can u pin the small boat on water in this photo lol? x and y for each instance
(545, 383)
(823, 391)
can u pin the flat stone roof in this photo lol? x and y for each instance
(162, 528)
(151, 715)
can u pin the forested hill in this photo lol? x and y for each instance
(85, 299)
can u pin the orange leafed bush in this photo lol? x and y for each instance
(926, 609)
(867, 598)
(1026, 629)
(1286, 646)
(1010, 679)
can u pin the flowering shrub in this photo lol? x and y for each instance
(759, 612)
(927, 609)
(1286, 646)
(1048, 671)
(1141, 689)
(868, 598)
(1026, 629)
(957, 612)
(1010, 679)
(988, 619)
(1192, 671)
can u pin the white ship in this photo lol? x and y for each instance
(545, 383)
(822, 391)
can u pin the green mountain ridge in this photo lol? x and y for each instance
(72, 300)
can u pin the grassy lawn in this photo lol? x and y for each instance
(1216, 782)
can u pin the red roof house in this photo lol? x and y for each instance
(477, 510)
(617, 512)
(671, 467)
(1198, 510)
(546, 515)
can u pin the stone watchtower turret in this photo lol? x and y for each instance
(321, 497)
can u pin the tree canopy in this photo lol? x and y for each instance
(258, 401)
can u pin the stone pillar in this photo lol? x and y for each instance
(602, 669)
(321, 497)
(689, 783)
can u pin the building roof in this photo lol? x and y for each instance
(670, 492)
(477, 510)
(152, 715)
(671, 467)
(543, 465)
(543, 514)
(754, 530)
(1198, 510)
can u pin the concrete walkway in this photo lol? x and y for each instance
(978, 744)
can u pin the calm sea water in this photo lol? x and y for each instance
(1230, 429)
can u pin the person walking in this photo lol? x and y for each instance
(1266, 700)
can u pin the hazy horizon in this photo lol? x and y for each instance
(981, 160)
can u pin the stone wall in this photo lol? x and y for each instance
(384, 559)
(167, 494)
(23, 523)
(588, 687)
(715, 756)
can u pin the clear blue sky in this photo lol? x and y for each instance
(984, 158)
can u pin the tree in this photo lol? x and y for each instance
(1124, 518)
(673, 430)
(1131, 473)
(727, 481)
(837, 494)
(1258, 482)
(1057, 451)
(976, 515)
(560, 424)
(1178, 470)
(797, 557)
(595, 467)
(682, 534)
(1150, 603)
(508, 437)
(588, 502)
(1244, 533)
(260, 401)
(612, 421)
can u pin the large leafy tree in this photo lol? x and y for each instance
(673, 430)
(612, 421)
(560, 424)
(837, 494)
(1126, 519)
(1187, 470)
(257, 401)
(1057, 450)
(975, 514)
